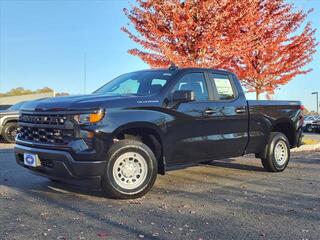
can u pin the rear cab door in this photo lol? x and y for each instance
(188, 134)
(229, 117)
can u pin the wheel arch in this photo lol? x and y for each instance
(148, 133)
(287, 128)
(9, 120)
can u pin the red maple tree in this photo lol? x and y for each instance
(279, 52)
(257, 39)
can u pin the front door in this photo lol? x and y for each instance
(189, 131)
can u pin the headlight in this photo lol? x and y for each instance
(89, 118)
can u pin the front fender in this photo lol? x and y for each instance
(116, 121)
(160, 130)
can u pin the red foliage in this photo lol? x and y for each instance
(257, 39)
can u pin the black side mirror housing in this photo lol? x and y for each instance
(181, 96)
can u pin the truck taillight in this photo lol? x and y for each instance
(302, 107)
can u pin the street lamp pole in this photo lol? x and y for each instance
(317, 95)
(84, 73)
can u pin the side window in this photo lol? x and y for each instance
(156, 85)
(156, 81)
(195, 82)
(223, 86)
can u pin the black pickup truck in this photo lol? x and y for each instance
(148, 122)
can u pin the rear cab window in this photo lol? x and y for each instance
(224, 89)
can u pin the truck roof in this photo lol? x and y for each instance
(177, 69)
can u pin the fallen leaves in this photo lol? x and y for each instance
(103, 234)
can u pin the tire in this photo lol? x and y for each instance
(9, 132)
(309, 128)
(272, 160)
(131, 170)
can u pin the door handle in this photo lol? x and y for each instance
(240, 110)
(209, 111)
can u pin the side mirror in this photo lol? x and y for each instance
(181, 96)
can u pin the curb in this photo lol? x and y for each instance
(307, 148)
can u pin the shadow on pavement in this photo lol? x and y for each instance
(217, 206)
(230, 163)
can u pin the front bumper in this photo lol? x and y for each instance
(61, 165)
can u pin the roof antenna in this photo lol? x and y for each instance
(173, 66)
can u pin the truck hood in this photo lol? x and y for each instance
(88, 102)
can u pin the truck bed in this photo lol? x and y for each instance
(265, 114)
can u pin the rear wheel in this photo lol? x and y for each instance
(277, 155)
(131, 170)
(10, 131)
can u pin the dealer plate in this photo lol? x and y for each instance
(31, 160)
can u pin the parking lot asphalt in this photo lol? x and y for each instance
(228, 199)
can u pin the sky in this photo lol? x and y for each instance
(43, 43)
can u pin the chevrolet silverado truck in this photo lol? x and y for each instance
(148, 122)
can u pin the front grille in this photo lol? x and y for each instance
(45, 135)
(57, 119)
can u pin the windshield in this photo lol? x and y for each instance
(16, 107)
(137, 83)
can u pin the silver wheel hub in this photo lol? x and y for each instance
(130, 170)
(12, 132)
(281, 153)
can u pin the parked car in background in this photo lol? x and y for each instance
(9, 122)
(316, 125)
(148, 122)
(308, 121)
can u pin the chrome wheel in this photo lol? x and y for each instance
(130, 170)
(281, 153)
(11, 133)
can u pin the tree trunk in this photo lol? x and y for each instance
(257, 94)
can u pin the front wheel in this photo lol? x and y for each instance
(10, 131)
(131, 170)
(277, 155)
